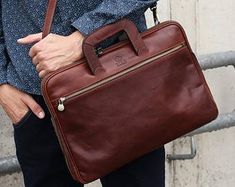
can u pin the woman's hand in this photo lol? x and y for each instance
(54, 51)
(17, 103)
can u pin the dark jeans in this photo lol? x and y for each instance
(43, 164)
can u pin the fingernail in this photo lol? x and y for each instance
(20, 40)
(41, 115)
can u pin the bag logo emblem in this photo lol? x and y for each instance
(119, 61)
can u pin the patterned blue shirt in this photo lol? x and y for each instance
(20, 18)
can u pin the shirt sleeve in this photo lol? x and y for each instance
(3, 59)
(110, 11)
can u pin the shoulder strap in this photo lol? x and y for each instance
(49, 17)
(51, 11)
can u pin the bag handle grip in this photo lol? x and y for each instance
(107, 31)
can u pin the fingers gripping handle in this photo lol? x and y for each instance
(107, 31)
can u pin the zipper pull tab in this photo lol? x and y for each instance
(61, 107)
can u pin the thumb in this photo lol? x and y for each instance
(32, 38)
(34, 106)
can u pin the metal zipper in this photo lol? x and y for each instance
(61, 106)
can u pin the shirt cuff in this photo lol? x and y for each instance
(86, 25)
(3, 79)
(3, 69)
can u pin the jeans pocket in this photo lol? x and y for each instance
(23, 120)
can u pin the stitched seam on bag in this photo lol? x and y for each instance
(63, 145)
(71, 159)
(194, 63)
(203, 81)
(75, 166)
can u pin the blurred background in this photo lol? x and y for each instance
(205, 159)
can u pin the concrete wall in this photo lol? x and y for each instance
(6, 149)
(210, 28)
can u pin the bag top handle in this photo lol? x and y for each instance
(107, 31)
(49, 17)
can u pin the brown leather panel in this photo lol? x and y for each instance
(107, 127)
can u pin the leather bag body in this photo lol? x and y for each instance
(136, 96)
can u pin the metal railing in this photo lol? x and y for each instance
(223, 121)
(10, 165)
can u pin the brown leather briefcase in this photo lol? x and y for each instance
(138, 95)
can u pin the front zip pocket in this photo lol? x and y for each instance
(62, 100)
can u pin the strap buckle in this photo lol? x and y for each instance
(153, 8)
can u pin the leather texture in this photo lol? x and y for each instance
(49, 17)
(137, 103)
